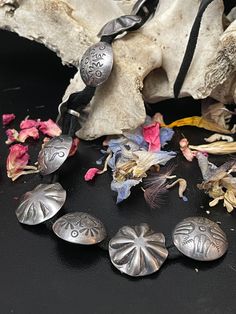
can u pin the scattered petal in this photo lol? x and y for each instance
(91, 173)
(29, 123)
(216, 148)
(166, 135)
(123, 188)
(74, 147)
(49, 128)
(182, 187)
(217, 137)
(17, 162)
(26, 133)
(12, 136)
(186, 151)
(8, 118)
(151, 134)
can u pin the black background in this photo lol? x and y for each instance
(41, 274)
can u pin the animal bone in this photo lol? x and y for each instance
(69, 27)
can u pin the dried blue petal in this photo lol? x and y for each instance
(123, 188)
(162, 157)
(166, 135)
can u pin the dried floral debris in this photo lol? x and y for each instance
(7, 118)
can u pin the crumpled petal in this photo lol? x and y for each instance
(74, 147)
(17, 162)
(217, 137)
(12, 136)
(186, 151)
(29, 123)
(151, 134)
(216, 148)
(26, 133)
(90, 174)
(123, 188)
(49, 128)
(166, 135)
(8, 118)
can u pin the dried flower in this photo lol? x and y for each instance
(186, 151)
(29, 123)
(12, 136)
(217, 137)
(49, 128)
(216, 148)
(74, 147)
(90, 174)
(17, 162)
(8, 118)
(26, 133)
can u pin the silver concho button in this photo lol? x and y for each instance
(80, 228)
(54, 153)
(119, 25)
(200, 238)
(96, 64)
(137, 251)
(41, 204)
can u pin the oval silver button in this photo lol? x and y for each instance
(200, 238)
(96, 64)
(54, 154)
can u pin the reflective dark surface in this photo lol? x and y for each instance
(41, 274)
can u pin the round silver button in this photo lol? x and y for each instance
(200, 238)
(41, 204)
(80, 228)
(137, 251)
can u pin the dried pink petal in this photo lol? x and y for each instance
(49, 128)
(17, 162)
(12, 136)
(186, 151)
(25, 133)
(74, 147)
(29, 123)
(151, 134)
(8, 118)
(91, 173)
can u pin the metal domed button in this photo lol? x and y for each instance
(54, 153)
(96, 64)
(120, 25)
(138, 251)
(200, 238)
(80, 228)
(41, 204)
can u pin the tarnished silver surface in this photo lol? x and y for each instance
(41, 204)
(137, 6)
(119, 25)
(96, 64)
(73, 113)
(80, 228)
(200, 239)
(138, 251)
(54, 154)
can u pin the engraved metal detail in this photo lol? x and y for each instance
(200, 239)
(54, 153)
(120, 25)
(96, 64)
(41, 204)
(80, 228)
(138, 251)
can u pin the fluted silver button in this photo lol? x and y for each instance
(40, 204)
(138, 250)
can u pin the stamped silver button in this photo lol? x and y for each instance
(120, 25)
(41, 204)
(137, 251)
(200, 238)
(96, 64)
(54, 153)
(80, 228)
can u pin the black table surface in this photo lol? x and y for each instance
(42, 274)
